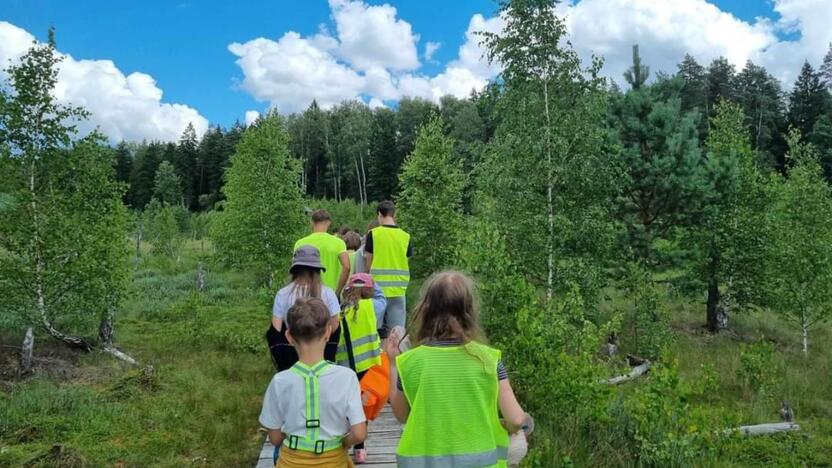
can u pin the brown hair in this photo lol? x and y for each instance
(372, 225)
(307, 319)
(343, 230)
(448, 309)
(319, 216)
(351, 297)
(353, 240)
(386, 208)
(306, 281)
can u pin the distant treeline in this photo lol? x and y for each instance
(353, 151)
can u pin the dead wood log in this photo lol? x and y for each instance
(636, 371)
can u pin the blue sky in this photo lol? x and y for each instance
(184, 44)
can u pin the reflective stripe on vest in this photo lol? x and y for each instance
(366, 346)
(391, 268)
(490, 458)
(310, 442)
(471, 436)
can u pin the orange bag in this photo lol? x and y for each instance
(375, 388)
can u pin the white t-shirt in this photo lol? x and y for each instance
(284, 405)
(287, 295)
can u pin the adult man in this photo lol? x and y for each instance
(334, 256)
(386, 252)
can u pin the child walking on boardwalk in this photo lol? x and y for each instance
(451, 385)
(314, 408)
(364, 305)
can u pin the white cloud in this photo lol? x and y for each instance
(665, 31)
(293, 71)
(430, 49)
(372, 36)
(251, 117)
(374, 53)
(123, 107)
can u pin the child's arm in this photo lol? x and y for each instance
(401, 409)
(276, 437)
(357, 434)
(379, 303)
(513, 415)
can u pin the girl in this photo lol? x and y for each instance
(306, 282)
(447, 389)
(359, 347)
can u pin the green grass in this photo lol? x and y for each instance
(199, 407)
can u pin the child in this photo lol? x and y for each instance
(451, 385)
(313, 409)
(353, 242)
(364, 305)
(306, 282)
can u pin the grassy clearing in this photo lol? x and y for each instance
(199, 406)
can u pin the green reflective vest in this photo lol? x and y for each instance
(391, 269)
(366, 346)
(311, 442)
(453, 395)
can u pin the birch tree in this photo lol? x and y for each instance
(544, 180)
(63, 233)
(800, 260)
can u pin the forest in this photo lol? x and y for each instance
(670, 226)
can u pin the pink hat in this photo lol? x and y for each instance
(360, 280)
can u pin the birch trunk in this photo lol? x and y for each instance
(27, 350)
(550, 261)
(805, 324)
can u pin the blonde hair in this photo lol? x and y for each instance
(351, 297)
(448, 309)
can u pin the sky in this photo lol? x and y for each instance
(146, 69)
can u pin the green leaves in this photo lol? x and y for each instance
(430, 202)
(263, 214)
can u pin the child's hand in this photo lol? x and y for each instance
(391, 345)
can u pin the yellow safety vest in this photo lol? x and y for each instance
(391, 269)
(366, 346)
(453, 396)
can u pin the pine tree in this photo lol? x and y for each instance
(808, 100)
(186, 166)
(147, 160)
(382, 166)
(761, 98)
(63, 225)
(694, 93)
(826, 68)
(721, 75)
(263, 212)
(657, 145)
(638, 73)
(430, 201)
(800, 258)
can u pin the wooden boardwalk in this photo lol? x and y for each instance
(382, 440)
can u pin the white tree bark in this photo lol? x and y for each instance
(550, 209)
(805, 324)
(637, 371)
(200, 277)
(764, 429)
(27, 350)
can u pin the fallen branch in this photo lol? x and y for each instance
(112, 350)
(634, 373)
(764, 429)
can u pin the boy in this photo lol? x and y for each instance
(314, 409)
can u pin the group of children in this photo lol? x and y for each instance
(451, 391)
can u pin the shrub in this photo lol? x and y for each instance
(346, 212)
(758, 372)
(648, 320)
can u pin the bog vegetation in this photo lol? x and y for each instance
(680, 217)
